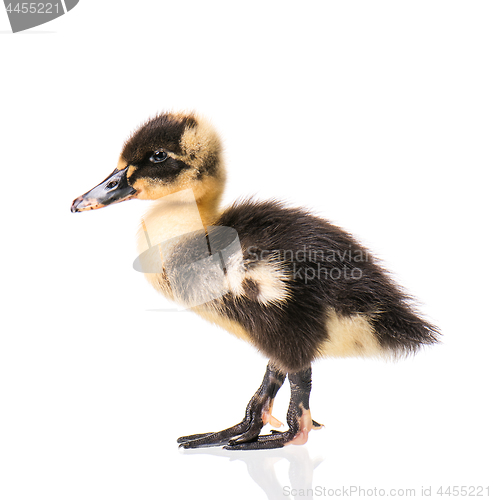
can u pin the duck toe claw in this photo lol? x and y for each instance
(218, 438)
(192, 437)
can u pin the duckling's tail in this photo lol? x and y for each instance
(402, 330)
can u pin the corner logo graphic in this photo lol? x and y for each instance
(25, 15)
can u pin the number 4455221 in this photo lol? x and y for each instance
(33, 8)
(464, 491)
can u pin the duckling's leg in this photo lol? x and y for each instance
(257, 414)
(299, 418)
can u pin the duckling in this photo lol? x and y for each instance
(292, 284)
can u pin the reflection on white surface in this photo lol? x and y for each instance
(260, 467)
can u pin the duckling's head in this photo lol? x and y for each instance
(169, 153)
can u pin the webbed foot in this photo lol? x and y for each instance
(257, 414)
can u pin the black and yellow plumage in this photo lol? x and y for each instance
(296, 287)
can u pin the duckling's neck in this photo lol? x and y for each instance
(175, 215)
(209, 209)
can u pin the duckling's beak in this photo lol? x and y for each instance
(113, 189)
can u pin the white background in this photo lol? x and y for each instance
(377, 115)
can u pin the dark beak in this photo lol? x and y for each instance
(113, 189)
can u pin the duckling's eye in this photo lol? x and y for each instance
(158, 156)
